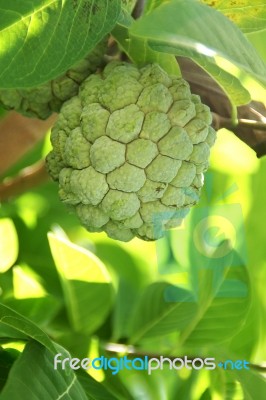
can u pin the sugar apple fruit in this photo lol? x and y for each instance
(41, 101)
(129, 151)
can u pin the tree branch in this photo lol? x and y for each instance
(18, 135)
(28, 178)
(251, 117)
(220, 122)
(138, 9)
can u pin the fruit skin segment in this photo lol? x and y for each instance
(41, 101)
(130, 150)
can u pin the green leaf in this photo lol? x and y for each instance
(40, 40)
(8, 244)
(86, 284)
(194, 30)
(218, 314)
(249, 16)
(138, 51)
(48, 383)
(23, 326)
(163, 308)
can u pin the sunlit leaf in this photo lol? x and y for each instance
(86, 284)
(26, 284)
(8, 244)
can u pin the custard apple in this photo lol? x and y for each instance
(42, 100)
(129, 151)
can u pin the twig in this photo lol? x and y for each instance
(27, 179)
(138, 9)
(222, 122)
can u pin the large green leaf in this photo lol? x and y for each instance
(157, 314)
(194, 30)
(23, 326)
(249, 16)
(224, 301)
(42, 39)
(86, 284)
(214, 316)
(8, 244)
(33, 376)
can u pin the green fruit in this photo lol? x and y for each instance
(43, 100)
(130, 150)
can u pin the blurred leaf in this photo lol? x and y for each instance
(156, 386)
(24, 326)
(250, 17)
(39, 310)
(115, 384)
(131, 276)
(253, 384)
(179, 27)
(152, 4)
(8, 244)
(94, 389)
(186, 387)
(7, 358)
(163, 308)
(246, 341)
(41, 40)
(86, 284)
(34, 249)
(48, 383)
(26, 283)
(2, 113)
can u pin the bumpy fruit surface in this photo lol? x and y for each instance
(42, 100)
(130, 150)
